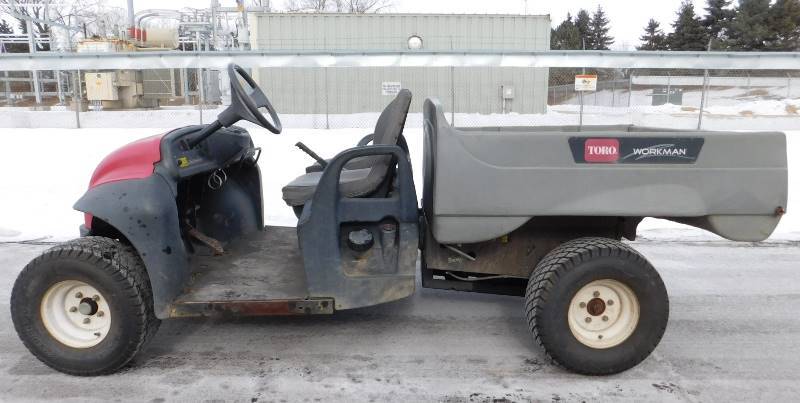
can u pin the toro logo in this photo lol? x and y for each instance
(601, 150)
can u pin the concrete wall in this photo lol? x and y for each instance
(354, 90)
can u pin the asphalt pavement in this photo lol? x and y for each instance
(733, 335)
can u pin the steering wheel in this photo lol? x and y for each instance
(246, 103)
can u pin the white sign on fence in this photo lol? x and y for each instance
(390, 88)
(586, 82)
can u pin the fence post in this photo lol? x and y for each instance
(669, 88)
(748, 83)
(630, 87)
(201, 88)
(9, 99)
(614, 92)
(185, 85)
(703, 100)
(327, 101)
(452, 95)
(788, 86)
(77, 96)
(59, 89)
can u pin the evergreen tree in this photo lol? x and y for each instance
(598, 30)
(653, 38)
(582, 23)
(718, 17)
(750, 29)
(785, 22)
(689, 33)
(566, 36)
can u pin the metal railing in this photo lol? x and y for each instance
(324, 89)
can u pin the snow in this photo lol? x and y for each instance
(735, 108)
(734, 96)
(47, 170)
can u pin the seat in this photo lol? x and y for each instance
(355, 163)
(365, 176)
(385, 137)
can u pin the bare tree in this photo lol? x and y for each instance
(366, 6)
(337, 6)
(314, 6)
(92, 17)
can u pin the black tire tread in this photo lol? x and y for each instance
(117, 259)
(556, 263)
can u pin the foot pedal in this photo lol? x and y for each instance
(212, 243)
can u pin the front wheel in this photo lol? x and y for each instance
(596, 306)
(84, 307)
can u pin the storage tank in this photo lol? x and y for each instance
(165, 38)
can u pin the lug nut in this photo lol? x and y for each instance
(610, 302)
(100, 314)
(605, 318)
(73, 309)
(96, 298)
(588, 319)
(86, 321)
(596, 294)
(78, 295)
(583, 305)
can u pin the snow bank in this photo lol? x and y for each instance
(47, 170)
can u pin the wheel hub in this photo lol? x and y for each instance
(88, 307)
(603, 313)
(596, 307)
(76, 314)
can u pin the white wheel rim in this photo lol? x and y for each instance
(75, 314)
(603, 314)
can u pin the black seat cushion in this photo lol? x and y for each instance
(352, 183)
(371, 171)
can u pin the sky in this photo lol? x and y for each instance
(628, 17)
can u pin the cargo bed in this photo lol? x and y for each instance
(488, 181)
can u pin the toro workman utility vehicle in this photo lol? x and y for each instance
(174, 228)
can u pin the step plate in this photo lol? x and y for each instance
(323, 306)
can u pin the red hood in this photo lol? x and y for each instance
(132, 161)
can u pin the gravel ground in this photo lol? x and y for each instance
(733, 335)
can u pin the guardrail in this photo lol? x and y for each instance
(552, 59)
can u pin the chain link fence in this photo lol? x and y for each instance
(352, 97)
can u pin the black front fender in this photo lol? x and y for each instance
(145, 212)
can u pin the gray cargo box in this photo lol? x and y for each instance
(482, 183)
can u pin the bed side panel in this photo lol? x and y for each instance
(735, 185)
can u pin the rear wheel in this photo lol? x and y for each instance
(596, 306)
(84, 307)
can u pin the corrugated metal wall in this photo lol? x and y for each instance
(355, 90)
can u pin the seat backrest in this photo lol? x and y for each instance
(392, 120)
(387, 132)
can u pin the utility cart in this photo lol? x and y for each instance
(174, 228)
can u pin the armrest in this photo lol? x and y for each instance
(328, 195)
(358, 163)
(366, 140)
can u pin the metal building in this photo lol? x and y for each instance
(333, 90)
